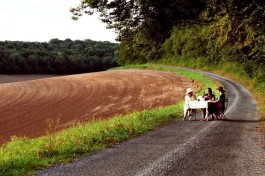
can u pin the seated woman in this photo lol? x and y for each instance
(190, 96)
(208, 97)
(219, 104)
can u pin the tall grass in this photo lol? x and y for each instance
(25, 156)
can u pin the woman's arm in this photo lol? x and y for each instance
(215, 101)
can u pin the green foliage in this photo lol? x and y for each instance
(154, 18)
(225, 31)
(184, 43)
(216, 44)
(57, 56)
(136, 50)
(142, 26)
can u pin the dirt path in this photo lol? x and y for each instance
(34, 107)
(185, 148)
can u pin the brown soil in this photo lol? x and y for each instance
(33, 108)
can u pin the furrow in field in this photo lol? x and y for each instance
(36, 107)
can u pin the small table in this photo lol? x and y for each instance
(195, 104)
(198, 104)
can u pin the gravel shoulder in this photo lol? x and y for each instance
(229, 147)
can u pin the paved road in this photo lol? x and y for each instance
(186, 148)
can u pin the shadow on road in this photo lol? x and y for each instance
(235, 120)
(239, 120)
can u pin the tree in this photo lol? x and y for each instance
(155, 19)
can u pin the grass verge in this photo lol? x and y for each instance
(25, 156)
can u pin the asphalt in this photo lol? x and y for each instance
(231, 147)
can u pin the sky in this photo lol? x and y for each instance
(42, 20)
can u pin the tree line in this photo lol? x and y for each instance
(211, 32)
(57, 56)
(233, 33)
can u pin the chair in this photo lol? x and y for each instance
(222, 111)
(190, 113)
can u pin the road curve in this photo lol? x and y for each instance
(185, 148)
(33, 108)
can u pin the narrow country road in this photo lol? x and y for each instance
(227, 148)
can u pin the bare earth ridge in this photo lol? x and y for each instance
(32, 108)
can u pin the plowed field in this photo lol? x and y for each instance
(33, 108)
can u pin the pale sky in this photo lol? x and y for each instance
(42, 20)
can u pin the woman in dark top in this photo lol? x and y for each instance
(208, 96)
(220, 102)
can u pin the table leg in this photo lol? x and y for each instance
(207, 112)
(207, 115)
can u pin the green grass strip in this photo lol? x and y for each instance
(25, 156)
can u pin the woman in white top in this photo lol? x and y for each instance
(188, 97)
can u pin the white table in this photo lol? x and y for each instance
(195, 104)
(198, 104)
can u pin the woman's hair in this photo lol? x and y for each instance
(210, 90)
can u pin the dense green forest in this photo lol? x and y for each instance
(233, 34)
(194, 33)
(57, 56)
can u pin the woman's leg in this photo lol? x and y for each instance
(186, 111)
(203, 113)
(218, 110)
